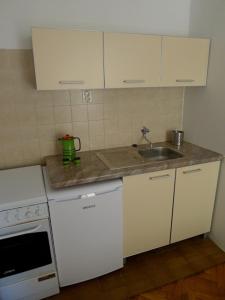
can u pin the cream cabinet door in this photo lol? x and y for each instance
(194, 200)
(68, 59)
(184, 61)
(131, 60)
(148, 200)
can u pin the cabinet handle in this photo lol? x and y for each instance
(192, 171)
(185, 80)
(134, 81)
(89, 206)
(71, 82)
(159, 177)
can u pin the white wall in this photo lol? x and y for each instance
(204, 108)
(146, 16)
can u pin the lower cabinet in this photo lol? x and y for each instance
(194, 200)
(148, 201)
(154, 201)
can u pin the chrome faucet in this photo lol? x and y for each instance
(145, 131)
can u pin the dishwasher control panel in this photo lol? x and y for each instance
(23, 214)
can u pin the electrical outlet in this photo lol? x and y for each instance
(86, 96)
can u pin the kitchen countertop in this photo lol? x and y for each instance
(93, 169)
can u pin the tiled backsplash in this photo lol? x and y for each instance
(31, 121)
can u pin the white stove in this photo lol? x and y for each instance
(27, 264)
(22, 196)
(21, 187)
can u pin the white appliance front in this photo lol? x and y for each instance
(27, 267)
(87, 232)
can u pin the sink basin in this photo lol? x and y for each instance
(159, 153)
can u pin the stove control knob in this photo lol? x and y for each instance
(37, 212)
(17, 216)
(6, 217)
(28, 214)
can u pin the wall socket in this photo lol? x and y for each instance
(87, 96)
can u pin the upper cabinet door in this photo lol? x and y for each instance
(68, 59)
(184, 61)
(131, 60)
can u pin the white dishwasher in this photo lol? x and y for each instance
(87, 229)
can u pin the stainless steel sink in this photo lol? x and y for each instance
(159, 154)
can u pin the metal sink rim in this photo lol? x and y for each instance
(159, 153)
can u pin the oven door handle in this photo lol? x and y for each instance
(18, 233)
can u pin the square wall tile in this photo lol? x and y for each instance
(97, 142)
(110, 111)
(63, 129)
(8, 97)
(48, 148)
(97, 96)
(26, 115)
(125, 138)
(96, 128)
(81, 129)
(79, 113)
(112, 140)
(20, 59)
(62, 114)
(27, 133)
(61, 98)
(43, 98)
(9, 133)
(76, 97)
(45, 115)
(111, 126)
(46, 131)
(6, 80)
(13, 154)
(31, 151)
(8, 116)
(95, 112)
(23, 81)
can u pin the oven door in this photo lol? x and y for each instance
(25, 249)
(27, 264)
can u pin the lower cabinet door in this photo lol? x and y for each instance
(194, 200)
(148, 201)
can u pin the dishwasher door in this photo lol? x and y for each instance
(87, 235)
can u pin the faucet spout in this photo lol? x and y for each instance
(145, 131)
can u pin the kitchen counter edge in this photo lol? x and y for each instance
(92, 169)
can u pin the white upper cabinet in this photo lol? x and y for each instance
(131, 60)
(184, 61)
(68, 59)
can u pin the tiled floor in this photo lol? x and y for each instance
(148, 271)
